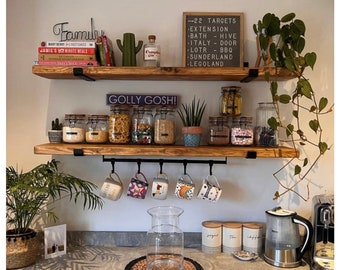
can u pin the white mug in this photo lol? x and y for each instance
(185, 187)
(210, 190)
(112, 188)
(160, 187)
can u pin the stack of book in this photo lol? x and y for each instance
(77, 53)
(71, 53)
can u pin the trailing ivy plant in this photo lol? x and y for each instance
(281, 43)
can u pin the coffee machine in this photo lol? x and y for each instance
(323, 241)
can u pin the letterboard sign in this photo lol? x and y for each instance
(212, 39)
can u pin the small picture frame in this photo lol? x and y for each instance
(212, 39)
(55, 241)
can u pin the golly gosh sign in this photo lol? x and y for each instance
(141, 100)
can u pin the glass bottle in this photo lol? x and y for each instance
(97, 129)
(151, 53)
(142, 126)
(231, 101)
(165, 129)
(74, 128)
(219, 130)
(264, 134)
(119, 124)
(242, 131)
(165, 240)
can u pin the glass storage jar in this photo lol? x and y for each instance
(97, 129)
(165, 129)
(119, 124)
(242, 132)
(219, 130)
(264, 134)
(231, 101)
(165, 240)
(74, 128)
(142, 126)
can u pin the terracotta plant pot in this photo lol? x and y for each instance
(192, 135)
(21, 249)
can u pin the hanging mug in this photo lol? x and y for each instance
(138, 187)
(185, 187)
(210, 190)
(112, 187)
(160, 187)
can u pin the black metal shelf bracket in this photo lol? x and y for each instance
(253, 73)
(79, 72)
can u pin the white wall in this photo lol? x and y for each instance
(32, 102)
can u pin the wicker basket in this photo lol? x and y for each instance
(21, 249)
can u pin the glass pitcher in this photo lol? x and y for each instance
(165, 240)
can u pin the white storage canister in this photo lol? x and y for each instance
(211, 236)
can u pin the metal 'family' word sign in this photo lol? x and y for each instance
(155, 100)
(60, 30)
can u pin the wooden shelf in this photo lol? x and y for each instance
(157, 73)
(162, 151)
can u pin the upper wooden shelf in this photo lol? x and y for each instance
(157, 73)
(162, 151)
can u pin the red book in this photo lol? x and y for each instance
(108, 49)
(66, 50)
(67, 63)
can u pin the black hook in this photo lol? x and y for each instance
(211, 163)
(185, 163)
(139, 163)
(113, 166)
(161, 166)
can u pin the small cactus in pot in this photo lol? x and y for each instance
(55, 135)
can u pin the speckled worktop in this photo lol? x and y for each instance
(99, 257)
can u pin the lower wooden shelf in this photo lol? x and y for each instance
(162, 151)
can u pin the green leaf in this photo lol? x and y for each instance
(273, 88)
(305, 162)
(267, 76)
(323, 147)
(284, 98)
(314, 125)
(310, 59)
(288, 17)
(272, 122)
(272, 51)
(322, 103)
(312, 108)
(289, 130)
(297, 169)
(267, 19)
(305, 88)
(295, 113)
(300, 25)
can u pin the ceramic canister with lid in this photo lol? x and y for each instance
(232, 237)
(211, 236)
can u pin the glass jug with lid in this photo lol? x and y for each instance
(165, 240)
(283, 246)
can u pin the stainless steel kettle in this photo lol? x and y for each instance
(283, 245)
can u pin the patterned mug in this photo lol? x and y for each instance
(112, 187)
(138, 187)
(160, 187)
(210, 190)
(185, 187)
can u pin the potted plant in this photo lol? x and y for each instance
(29, 196)
(55, 135)
(191, 116)
(281, 43)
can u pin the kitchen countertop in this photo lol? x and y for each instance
(116, 258)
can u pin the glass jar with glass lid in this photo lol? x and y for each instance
(165, 130)
(119, 124)
(218, 130)
(74, 128)
(231, 101)
(97, 129)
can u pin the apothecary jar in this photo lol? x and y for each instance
(165, 240)
(264, 134)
